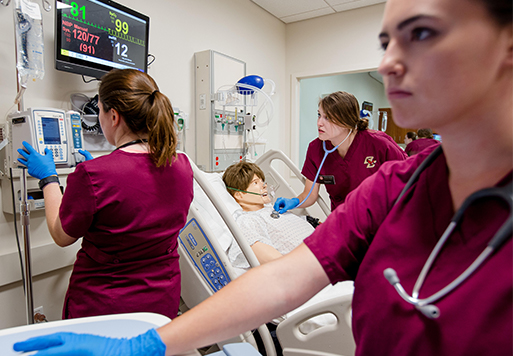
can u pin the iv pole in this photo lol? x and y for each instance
(25, 225)
(24, 206)
(24, 211)
(25, 228)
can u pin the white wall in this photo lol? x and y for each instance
(178, 29)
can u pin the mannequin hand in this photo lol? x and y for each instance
(283, 204)
(39, 166)
(88, 156)
(63, 344)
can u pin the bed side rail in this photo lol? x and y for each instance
(328, 340)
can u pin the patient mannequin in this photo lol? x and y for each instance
(268, 237)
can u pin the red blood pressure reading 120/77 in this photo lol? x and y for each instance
(75, 32)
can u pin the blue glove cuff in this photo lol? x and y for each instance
(148, 343)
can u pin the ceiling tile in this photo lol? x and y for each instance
(344, 5)
(308, 15)
(339, 2)
(283, 8)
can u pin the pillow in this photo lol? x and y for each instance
(209, 212)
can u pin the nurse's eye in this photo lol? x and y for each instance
(422, 33)
(384, 45)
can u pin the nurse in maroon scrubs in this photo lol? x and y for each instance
(448, 65)
(126, 207)
(425, 139)
(351, 152)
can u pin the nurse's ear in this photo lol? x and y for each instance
(116, 118)
(509, 46)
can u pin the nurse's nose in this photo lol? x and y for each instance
(392, 62)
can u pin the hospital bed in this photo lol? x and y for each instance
(117, 326)
(205, 266)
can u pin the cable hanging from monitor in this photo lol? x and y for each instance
(88, 81)
(152, 57)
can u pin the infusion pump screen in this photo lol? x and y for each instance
(51, 133)
(99, 33)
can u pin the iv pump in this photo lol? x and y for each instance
(55, 129)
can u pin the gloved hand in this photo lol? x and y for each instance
(283, 204)
(88, 156)
(39, 166)
(63, 344)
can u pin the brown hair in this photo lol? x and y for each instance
(342, 109)
(501, 11)
(425, 133)
(411, 135)
(240, 175)
(136, 96)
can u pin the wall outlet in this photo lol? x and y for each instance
(39, 315)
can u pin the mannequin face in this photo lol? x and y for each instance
(252, 202)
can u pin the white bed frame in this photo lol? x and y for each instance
(116, 325)
(330, 340)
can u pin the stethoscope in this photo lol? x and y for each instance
(425, 305)
(326, 153)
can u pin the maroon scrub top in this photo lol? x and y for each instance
(369, 150)
(129, 213)
(368, 234)
(419, 145)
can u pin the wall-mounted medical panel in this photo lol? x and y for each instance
(219, 128)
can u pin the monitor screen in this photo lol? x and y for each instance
(367, 106)
(94, 36)
(51, 131)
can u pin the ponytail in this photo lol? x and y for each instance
(362, 124)
(136, 96)
(162, 137)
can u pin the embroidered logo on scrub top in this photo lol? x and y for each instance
(370, 162)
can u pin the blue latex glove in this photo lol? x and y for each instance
(39, 166)
(63, 344)
(283, 204)
(88, 156)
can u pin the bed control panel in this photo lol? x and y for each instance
(204, 256)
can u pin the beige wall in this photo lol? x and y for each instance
(336, 43)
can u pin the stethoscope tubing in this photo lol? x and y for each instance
(326, 153)
(504, 232)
